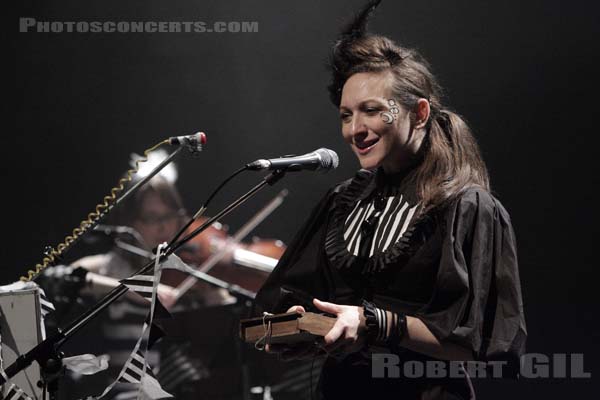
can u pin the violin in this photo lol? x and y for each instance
(226, 257)
(244, 264)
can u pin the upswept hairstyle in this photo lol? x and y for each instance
(450, 158)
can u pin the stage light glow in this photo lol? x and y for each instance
(169, 172)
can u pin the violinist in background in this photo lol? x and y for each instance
(190, 359)
(155, 213)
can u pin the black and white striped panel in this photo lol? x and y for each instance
(141, 284)
(16, 393)
(394, 219)
(46, 305)
(133, 372)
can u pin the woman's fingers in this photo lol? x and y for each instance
(298, 309)
(335, 333)
(327, 307)
(343, 336)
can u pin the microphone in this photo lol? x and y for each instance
(320, 159)
(193, 142)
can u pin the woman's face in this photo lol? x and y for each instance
(157, 222)
(365, 96)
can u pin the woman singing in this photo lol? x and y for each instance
(413, 255)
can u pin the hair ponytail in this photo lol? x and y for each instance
(450, 158)
(451, 161)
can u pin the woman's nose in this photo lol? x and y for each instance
(358, 127)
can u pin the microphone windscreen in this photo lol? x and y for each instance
(329, 158)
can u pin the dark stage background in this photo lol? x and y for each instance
(523, 74)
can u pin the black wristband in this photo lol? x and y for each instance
(377, 321)
(371, 321)
(398, 330)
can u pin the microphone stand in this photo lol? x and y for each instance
(125, 195)
(46, 352)
(235, 290)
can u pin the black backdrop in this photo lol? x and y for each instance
(522, 73)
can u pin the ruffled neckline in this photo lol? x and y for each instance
(364, 183)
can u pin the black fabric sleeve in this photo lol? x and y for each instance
(477, 301)
(300, 274)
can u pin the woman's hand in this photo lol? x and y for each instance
(298, 309)
(297, 351)
(348, 334)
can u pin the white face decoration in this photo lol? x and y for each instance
(377, 127)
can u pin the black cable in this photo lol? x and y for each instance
(44, 349)
(205, 205)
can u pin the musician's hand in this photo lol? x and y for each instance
(298, 351)
(349, 331)
(167, 296)
(280, 348)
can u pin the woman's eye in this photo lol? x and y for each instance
(371, 110)
(345, 117)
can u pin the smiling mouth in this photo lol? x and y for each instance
(366, 145)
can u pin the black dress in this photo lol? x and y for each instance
(455, 268)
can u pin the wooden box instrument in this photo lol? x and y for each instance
(286, 328)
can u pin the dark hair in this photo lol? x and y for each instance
(130, 210)
(451, 161)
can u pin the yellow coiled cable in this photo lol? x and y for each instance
(84, 225)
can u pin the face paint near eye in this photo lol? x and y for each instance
(393, 107)
(392, 115)
(376, 126)
(387, 117)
